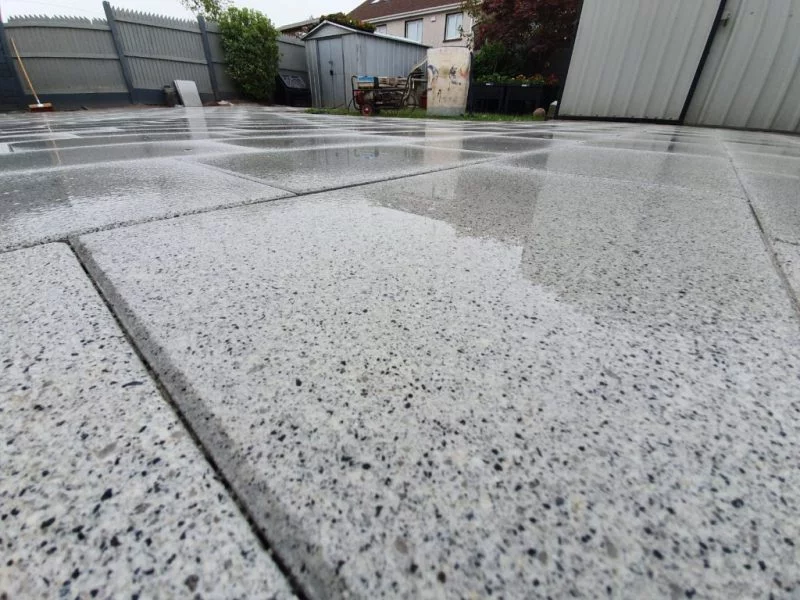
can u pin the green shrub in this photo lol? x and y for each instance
(250, 42)
(343, 19)
(492, 60)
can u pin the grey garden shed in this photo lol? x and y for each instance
(334, 53)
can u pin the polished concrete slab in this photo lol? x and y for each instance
(491, 143)
(768, 162)
(777, 198)
(66, 157)
(466, 360)
(670, 146)
(702, 173)
(323, 168)
(51, 204)
(285, 142)
(419, 385)
(789, 258)
(104, 493)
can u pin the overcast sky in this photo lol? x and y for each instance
(281, 11)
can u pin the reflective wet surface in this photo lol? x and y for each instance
(431, 358)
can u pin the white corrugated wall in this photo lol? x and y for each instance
(752, 76)
(636, 58)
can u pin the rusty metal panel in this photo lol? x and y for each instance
(636, 59)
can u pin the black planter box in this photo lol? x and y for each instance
(486, 97)
(523, 99)
(510, 98)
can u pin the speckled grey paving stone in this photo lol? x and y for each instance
(486, 382)
(789, 258)
(777, 199)
(768, 163)
(43, 159)
(713, 174)
(102, 493)
(498, 143)
(318, 169)
(660, 144)
(50, 204)
(322, 140)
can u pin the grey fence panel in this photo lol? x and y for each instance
(161, 49)
(292, 53)
(226, 85)
(77, 60)
(67, 55)
(155, 73)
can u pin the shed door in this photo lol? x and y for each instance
(11, 95)
(331, 72)
(752, 76)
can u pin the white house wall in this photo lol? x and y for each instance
(433, 28)
(636, 58)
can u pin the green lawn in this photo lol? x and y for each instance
(419, 113)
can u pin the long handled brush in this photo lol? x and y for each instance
(39, 106)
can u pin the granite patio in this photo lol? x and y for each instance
(252, 353)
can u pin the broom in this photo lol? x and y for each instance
(39, 106)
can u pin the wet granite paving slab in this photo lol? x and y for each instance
(571, 372)
(55, 157)
(317, 169)
(462, 384)
(705, 173)
(789, 258)
(50, 204)
(777, 198)
(103, 493)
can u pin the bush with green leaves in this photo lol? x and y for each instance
(343, 19)
(250, 42)
(493, 59)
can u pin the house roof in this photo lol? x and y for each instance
(297, 25)
(325, 26)
(375, 9)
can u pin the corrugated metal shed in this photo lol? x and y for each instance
(752, 76)
(335, 53)
(636, 58)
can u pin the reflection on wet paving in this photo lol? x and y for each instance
(316, 140)
(323, 168)
(71, 156)
(48, 204)
(675, 144)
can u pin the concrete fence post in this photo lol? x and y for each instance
(123, 59)
(212, 75)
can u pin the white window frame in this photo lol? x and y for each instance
(459, 29)
(381, 29)
(420, 21)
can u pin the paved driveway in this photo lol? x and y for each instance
(249, 353)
